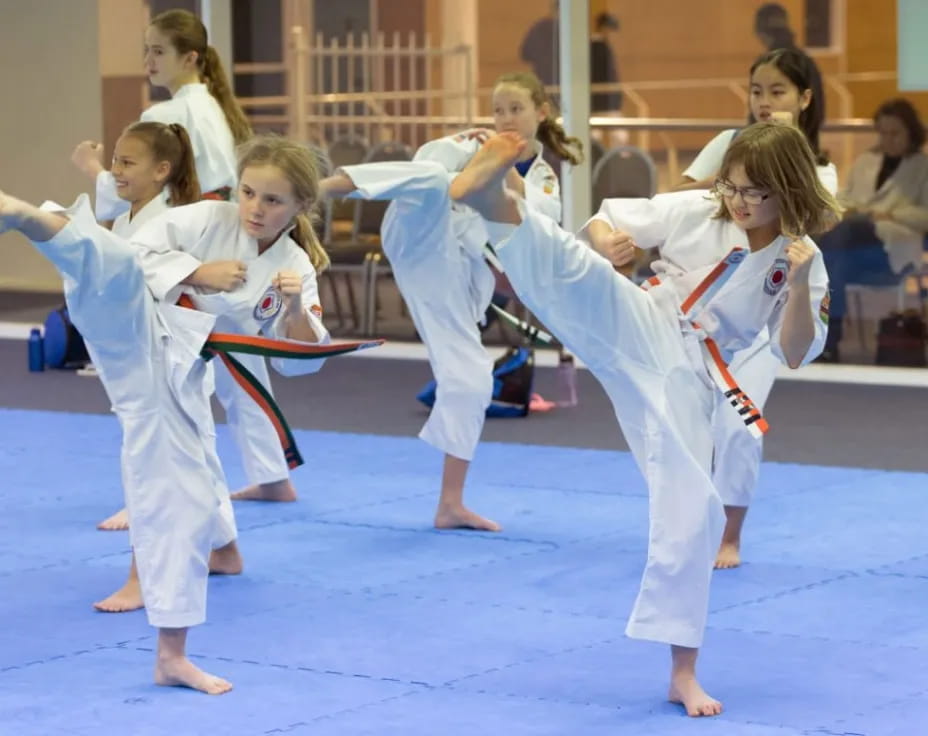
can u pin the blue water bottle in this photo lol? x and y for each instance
(36, 351)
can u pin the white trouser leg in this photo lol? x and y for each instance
(637, 352)
(171, 492)
(436, 277)
(254, 434)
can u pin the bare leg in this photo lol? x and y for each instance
(32, 222)
(226, 560)
(280, 490)
(173, 669)
(685, 688)
(118, 522)
(451, 513)
(730, 550)
(127, 598)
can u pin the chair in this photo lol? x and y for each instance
(346, 260)
(625, 171)
(892, 282)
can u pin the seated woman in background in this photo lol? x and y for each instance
(886, 217)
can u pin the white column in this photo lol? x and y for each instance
(217, 17)
(459, 28)
(575, 106)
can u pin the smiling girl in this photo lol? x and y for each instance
(122, 296)
(178, 58)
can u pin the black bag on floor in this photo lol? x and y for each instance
(513, 374)
(901, 340)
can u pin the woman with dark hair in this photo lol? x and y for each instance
(886, 217)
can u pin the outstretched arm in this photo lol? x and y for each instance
(337, 185)
(36, 224)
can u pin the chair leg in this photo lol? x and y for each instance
(336, 300)
(371, 321)
(861, 333)
(352, 300)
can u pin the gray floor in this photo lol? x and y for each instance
(812, 423)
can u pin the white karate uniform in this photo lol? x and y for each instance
(185, 238)
(737, 455)
(436, 250)
(125, 227)
(649, 358)
(147, 354)
(214, 158)
(252, 430)
(213, 145)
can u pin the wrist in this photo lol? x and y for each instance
(92, 168)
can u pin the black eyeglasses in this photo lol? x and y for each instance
(748, 194)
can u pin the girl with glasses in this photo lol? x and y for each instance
(729, 270)
(782, 84)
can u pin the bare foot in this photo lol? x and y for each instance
(686, 691)
(491, 163)
(281, 491)
(226, 560)
(459, 517)
(127, 598)
(729, 556)
(116, 523)
(181, 672)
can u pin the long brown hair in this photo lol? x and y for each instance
(779, 158)
(187, 33)
(550, 132)
(171, 143)
(299, 166)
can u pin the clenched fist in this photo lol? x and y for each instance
(800, 256)
(220, 275)
(617, 247)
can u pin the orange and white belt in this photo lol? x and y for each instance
(715, 364)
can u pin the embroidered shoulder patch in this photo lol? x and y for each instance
(269, 305)
(776, 277)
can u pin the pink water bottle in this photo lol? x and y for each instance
(567, 380)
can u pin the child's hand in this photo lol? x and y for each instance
(617, 247)
(220, 275)
(290, 286)
(88, 157)
(800, 256)
(784, 118)
(480, 134)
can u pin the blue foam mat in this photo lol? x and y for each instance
(354, 616)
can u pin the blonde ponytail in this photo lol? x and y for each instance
(187, 33)
(216, 81)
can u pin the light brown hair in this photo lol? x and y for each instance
(550, 132)
(171, 143)
(778, 158)
(187, 33)
(298, 164)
